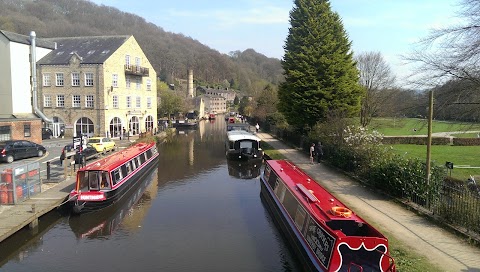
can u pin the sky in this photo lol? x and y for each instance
(391, 27)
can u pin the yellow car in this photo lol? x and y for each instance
(102, 144)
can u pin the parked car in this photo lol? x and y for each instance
(20, 149)
(67, 152)
(87, 153)
(102, 144)
(47, 133)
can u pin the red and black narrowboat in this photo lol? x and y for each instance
(324, 233)
(104, 182)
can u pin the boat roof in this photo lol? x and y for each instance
(322, 201)
(118, 158)
(237, 135)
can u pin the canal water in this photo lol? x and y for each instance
(196, 212)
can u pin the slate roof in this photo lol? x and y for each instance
(92, 50)
(18, 38)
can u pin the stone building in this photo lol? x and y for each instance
(98, 86)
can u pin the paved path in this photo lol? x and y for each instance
(442, 248)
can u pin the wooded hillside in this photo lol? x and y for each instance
(170, 54)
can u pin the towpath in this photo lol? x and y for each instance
(444, 249)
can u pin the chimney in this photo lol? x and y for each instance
(190, 83)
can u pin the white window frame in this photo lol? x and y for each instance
(76, 101)
(138, 102)
(47, 101)
(115, 80)
(89, 79)
(128, 82)
(149, 102)
(59, 80)
(76, 79)
(60, 101)
(127, 61)
(115, 101)
(129, 102)
(138, 82)
(89, 101)
(149, 84)
(47, 80)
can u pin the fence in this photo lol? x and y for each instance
(19, 183)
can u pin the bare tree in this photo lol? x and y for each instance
(375, 77)
(452, 52)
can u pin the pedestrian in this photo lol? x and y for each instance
(319, 151)
(257, 127)
(312, 153)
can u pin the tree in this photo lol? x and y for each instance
(452, 52)
(170, 103)
(320, 73)
(375, 77)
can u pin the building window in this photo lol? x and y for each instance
(139, 83)
(47, 81)
(129, 101)
(115, 80)
(129, 82)
(138, 102)
(138, 61)
(27, 130)
(60, 101)
(149, 102)
(75, 79)
(127, 60)
(115, 102)
(89, 103)
(47, 101)
(59, 79)
(149, 84)
(88, 79)
(76, 101)
(5, 133)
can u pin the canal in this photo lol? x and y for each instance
(196, 212)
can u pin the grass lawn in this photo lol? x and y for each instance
(413, 126)
(270, 151)
(459, 155)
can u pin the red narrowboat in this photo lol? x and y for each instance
(325, 234)
(104, 182)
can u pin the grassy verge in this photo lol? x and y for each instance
(413, 126)
(272, 152)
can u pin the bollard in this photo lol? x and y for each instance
(48, 170)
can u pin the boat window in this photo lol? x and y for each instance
(142, 158)
(82, 180)
(116, 176)
(124, 168)
(137, 159)
(93, 178)
(246, 144)
(300, 216)
(105, 180)
(290, 203)
(128, 168)
(149, 153)
(133, 165)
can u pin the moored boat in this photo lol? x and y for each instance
(243, 145)
(325, 234)
(106, 181)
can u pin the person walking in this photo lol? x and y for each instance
(257, 127)
(319, 151)
(312, 153)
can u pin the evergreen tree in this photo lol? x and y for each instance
(320, 72)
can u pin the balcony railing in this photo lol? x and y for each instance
(136, 70)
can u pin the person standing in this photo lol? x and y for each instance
(319, 151)
(312, 153)
(257, 127)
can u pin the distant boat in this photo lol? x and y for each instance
(243, 145)
(238, 126)
(185, 124)
(104, 182)
(325, 234)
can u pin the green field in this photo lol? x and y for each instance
(464, 158)
(414, 126)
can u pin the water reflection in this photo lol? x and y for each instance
(104, 222)
(244, 169)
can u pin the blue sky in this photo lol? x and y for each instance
(391, 27)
